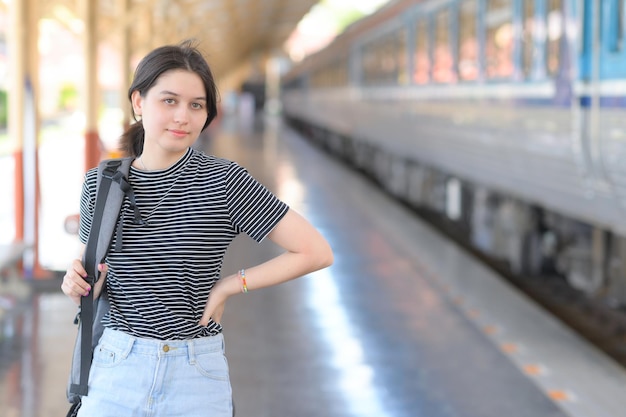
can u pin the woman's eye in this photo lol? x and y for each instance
(169, 101)
(197, 106)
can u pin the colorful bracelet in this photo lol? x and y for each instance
(242, 276)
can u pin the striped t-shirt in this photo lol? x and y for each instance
(159, 282)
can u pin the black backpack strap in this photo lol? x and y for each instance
(106, 213)
(125, 187)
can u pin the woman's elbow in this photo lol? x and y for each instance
(324, 256)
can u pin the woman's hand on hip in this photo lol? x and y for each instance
(221, 291)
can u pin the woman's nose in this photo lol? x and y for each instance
(181, 115)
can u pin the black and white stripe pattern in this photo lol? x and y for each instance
(160, 280)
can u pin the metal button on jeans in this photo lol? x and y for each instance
(166, 348)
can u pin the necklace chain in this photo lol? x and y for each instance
(142, 164)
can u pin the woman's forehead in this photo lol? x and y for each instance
(180, 82)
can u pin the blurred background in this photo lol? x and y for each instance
(463, 157)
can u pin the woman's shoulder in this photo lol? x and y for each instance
(91, 172)
(212, 161)
(91, 177)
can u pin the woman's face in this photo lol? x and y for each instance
(173, 111)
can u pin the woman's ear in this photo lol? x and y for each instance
(136, 100)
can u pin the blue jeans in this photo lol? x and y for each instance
(134, 377)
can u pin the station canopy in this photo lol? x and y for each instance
(230, 31)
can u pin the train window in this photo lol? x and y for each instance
(468, 41)
(384, 60)
(421, 58)
(403, 59)
(335, 74)
(374, 62)
(555, 33)
(528, 37)
(443, 70)
(341, 72)
(371, 62)
(499, 39)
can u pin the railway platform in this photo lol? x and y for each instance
(404, 324)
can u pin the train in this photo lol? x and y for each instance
(505, 117)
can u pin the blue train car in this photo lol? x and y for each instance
(505, 116)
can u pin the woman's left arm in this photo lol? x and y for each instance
(306, 251)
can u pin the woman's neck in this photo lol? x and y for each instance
(151, 161)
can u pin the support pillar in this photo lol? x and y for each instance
(125, 53)
(17, 62)
(91, 91)
(24, 128)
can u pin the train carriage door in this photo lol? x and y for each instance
(611, 128)
(602, 48)
(585, 114)
(612, 64)
(591, 20)
(587, 25)
(601, 94)
(601, 90)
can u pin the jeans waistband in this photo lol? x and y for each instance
(153, 347)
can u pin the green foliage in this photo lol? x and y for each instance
(68, 97)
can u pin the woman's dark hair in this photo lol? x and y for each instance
(184, 56)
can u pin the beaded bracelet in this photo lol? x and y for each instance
(242, 276)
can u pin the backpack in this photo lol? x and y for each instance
(109, 198)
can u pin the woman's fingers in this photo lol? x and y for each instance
(74, 284)
(214, 308)
(217, 314)
(211, 312)
(78, 268)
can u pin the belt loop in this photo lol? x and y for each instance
(191, 352)
(129, 346)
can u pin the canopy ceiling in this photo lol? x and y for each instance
(230, 31)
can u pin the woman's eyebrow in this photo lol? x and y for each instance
(171, 93)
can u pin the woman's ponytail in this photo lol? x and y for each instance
(131, 141)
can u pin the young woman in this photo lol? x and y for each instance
(162, 350)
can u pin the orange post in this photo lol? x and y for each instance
(92, 149)
(38, 271)
(18, 157)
